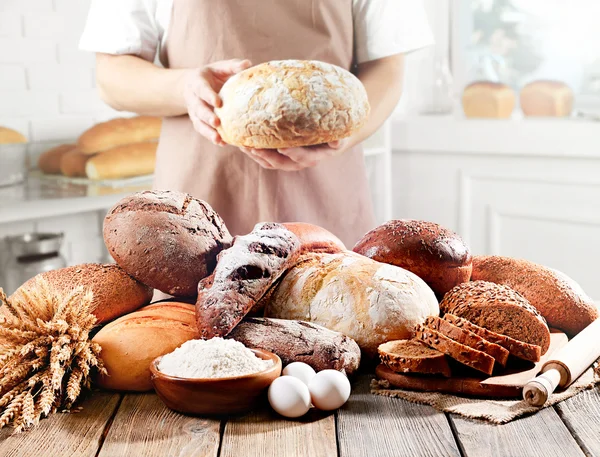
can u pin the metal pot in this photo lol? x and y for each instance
(29, 255)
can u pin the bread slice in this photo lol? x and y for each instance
(468, 338)
(520, 349)
(464, 354)
(412, 356)
(499, 309)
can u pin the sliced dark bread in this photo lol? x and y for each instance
(468, 338)
(464, 354)
(412, 356)
(520, 349)
(499, 309)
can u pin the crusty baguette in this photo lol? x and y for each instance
(126, 161)
(557, 297)
(72, 163)
(468, 338)
(49, 161)
(243, 275)
(464, 354)
(499, 309)
(115, 292)
(118, 132)
(520, 349)
(10, 136)
(298, 341)
(412, 356)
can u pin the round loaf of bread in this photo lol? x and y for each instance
(291, 103)
(165, 239)
(314, 238)
(115, 292)
(435, 254)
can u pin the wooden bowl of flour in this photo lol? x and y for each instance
(215, 396)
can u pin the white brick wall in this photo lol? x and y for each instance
(47, 86)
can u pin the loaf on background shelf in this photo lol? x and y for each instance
(136, 159)
(561, 301)
(130, 343)
(10, 136)
(435, 254)
(165, 239)
(290, 103)
(499, 309)
(244, 273)
(49, 161)
(115, 292)
(487, 99)
(547, 99)
(298, 341)
(72, 163)
(119, 132)
(368, 301)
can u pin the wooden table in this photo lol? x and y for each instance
(112, 425)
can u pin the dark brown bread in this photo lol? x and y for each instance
(526, 351)
(168, 240)
(464, 354)
(243, 275)
(314, 238)
(412, 356)
(499, 309)
(557, 297)
(115, 292)
(468, 338)
(435, 254)
(298, 341)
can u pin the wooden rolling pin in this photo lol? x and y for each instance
(565, 366)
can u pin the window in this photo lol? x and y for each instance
(518, 41)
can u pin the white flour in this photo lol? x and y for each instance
(214, 358)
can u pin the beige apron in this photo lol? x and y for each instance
(334, 194)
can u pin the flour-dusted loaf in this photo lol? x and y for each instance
(130, 343)
(244, 273)
(289, 103)
(115, 292)
(298, 341)
(49, 161)
(499, 309)
(166, 239)
(126, 161)
(369, 301)
(118, 132)
(412, 356)
(434, 253)
(561, 301)
(314, 238)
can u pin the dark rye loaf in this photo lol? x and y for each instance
(298, 341)
(412, 356)
(520, 349)
(557, 297)
(165, 239)
(468, 338)
(435, 254)
(499, 309)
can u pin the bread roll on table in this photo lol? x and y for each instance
(487, 99)
(118, 132)
(135, 159)
(546, 98)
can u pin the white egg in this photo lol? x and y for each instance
(300, 370)
(289, 396)
(329, 389)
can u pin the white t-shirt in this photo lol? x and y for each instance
(381, 27)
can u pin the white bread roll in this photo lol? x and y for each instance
(368, 301)
(546, 98)
(290, 103)
(127, 161)
(486, 99)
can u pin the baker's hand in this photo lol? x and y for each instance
(201, 94)
(294, 159)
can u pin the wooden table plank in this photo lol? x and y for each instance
(581, 414)
(143, 426)
(77, 434)
(382, 426)
(265, 434)
(543, 433)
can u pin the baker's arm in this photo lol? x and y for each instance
(382, 79)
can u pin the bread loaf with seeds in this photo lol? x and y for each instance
(412, 356)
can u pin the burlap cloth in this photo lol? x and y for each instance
(494, 411)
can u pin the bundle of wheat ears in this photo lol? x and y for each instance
(45, 352)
